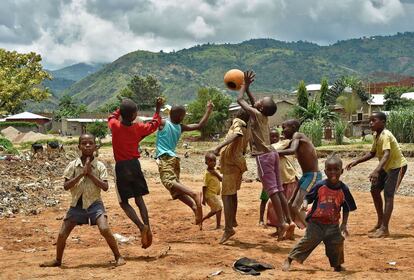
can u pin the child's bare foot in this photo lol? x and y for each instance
(226, 236)
(374, 229)
(281, 231)
(146, 237)
(339, 268)
(219, 227)
(381, 232)
(199, 210)
(54, 263)
(120, 261)
(286, 264)
(262, 224)
(235, 224)
(290, 233)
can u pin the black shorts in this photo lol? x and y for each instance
(390, 181)
(86, 216)
(130, 181)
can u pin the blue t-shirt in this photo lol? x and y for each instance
(167, 139)
(327, 202)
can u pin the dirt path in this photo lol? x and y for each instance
(181, 251)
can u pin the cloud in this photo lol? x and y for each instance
(70, 31)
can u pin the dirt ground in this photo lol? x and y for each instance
(181, 251)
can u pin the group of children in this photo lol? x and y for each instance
(289, 197)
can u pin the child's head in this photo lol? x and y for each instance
(333, 168)
(377, 121)
(87, 144)
(128, 110)
(266, 106)
(177, 114)
(274, 136)
(243, 115)
(210, 160)
(289, 128)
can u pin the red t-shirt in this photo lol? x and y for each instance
(125, 139)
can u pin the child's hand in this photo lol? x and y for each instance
(216, 151)
(87, 169)
(304, 206)
(350, 165)
(210, 105)
(249, 77)
(344, 230)
(160, 101)
(373, 177)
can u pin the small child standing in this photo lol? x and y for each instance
(211, 189)
(266, 158)
(328, 197)
(130, 181)
(85, 177)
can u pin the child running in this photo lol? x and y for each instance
(308, 161)
(387, 175)
(328, 197)
(211, 189)
(130, 181)
(85, 177)
(266, 158)
(169, 164)
(232, 166)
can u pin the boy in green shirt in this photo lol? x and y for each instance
(387, 175)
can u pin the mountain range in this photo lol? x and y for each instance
(279, 66)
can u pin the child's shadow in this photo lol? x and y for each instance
(264, 247)
(400, 236)
(90, 265)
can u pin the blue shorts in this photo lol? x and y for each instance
(86, 216)
(309, 180)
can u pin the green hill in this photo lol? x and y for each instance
(278, 65)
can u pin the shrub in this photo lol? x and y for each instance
(17, 124)
(340, 127)
(401, 124)
(8, 146)
(314, 130)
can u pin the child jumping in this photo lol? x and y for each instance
(85, 177)
(266, 158)
(232, 166)
(168, 135)
(130, 181)
(211, 189)
(387, 175)
(308, 161)
(328, 197)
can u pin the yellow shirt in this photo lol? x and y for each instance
(387, 141)
(212, 183)
(260, 141)
(232, 156)
(288, 171)
(85, 187)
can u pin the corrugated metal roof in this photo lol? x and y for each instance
(27, 116)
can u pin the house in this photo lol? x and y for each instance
(77, 126)
(39, 120)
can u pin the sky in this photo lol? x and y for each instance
(66, 32)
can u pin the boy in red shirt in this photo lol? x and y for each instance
(130, 181)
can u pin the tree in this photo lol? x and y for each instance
(315, 111)
(303, 98)
(393, 100)
(350, 102)
(68, 107)
(217, 119)
(98, 129)
(143, 91)
(324, 91)
(21, 76)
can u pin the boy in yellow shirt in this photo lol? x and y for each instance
(212, 189)
(387, 175)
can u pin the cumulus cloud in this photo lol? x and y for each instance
(70, 31)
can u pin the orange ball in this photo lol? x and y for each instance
(234, 79)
